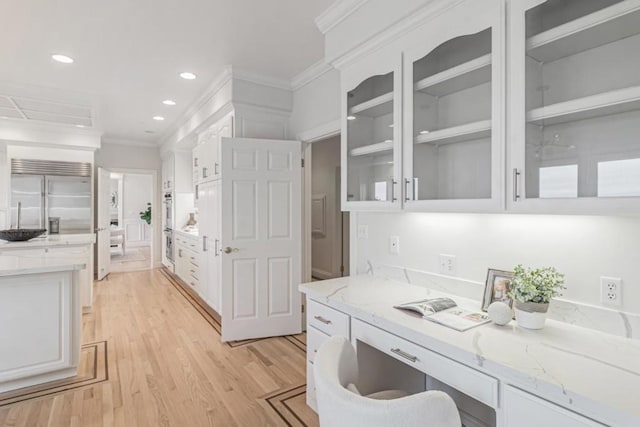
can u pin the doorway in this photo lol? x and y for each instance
(329, 226)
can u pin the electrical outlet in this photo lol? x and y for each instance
(394, 245)
(363, 231)
(448, 264)
(611, 291)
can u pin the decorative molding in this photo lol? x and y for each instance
(319, 215)
(129, 142)
(326, 130)
(408, 23)
(337, 13)
(315, 71)
(257, 78)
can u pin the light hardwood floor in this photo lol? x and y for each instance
(167, 367)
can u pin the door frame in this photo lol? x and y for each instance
(156, 221)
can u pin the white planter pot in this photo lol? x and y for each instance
(531, 315)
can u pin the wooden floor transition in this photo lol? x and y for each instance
(154, 358)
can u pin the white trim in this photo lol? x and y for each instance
(312, 73)
(326, 130)
(261, 79)
(321, 274)
(130, 143)
(337, 13)
(408, 23)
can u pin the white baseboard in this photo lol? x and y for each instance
(321, 274)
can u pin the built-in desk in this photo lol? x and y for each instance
(562, 375)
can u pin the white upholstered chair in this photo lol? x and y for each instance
(339, 404)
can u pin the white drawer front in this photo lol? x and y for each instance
(463, 378)
(315, 338)
(327, 320)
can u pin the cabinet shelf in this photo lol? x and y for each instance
(596, 29)
(466, 132)
(602, 104)
(376, 107)
(372, 149)
(455, 79)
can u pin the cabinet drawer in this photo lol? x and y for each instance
(315, 338)
(461, 377)
(327, 320)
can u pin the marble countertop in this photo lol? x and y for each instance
(11, 265)
(190, 233)
(590, 372)
(52, 240)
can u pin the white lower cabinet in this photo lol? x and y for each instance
(188, 261)
(522, 409)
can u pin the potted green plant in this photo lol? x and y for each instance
(532, 290)
(146, 215)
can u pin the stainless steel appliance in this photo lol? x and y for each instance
(168, 244)
(49, 189)
(168, 211)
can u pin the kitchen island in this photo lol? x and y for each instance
(73, 247)
(40, 319)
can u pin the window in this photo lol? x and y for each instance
(559, 181)
(619, 178)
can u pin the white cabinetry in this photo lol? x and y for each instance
(575, 106)
(209, 214)
(526, 410)
(168, 173)
(188, 264)
(206, 155)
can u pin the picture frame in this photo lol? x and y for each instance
(497, 287)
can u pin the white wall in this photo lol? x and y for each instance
(582, 247)
(316, 103)
(325, 249)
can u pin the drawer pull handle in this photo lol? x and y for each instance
(322, 319)
(404, 354)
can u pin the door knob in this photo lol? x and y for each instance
(229, 249)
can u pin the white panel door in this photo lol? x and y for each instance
(261, 238)
(104, 223)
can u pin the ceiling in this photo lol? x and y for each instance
(129, 54)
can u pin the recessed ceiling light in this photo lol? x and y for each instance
(62, 58)
(158, 118)
(424, 132)
(4, 117)
(169, 102)
(149, 131)
(351, 117)
(80, 126)
(187, 76)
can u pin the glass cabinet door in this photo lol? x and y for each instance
(579, 103)
(370, 142)
(453, 141)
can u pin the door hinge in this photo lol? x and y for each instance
(302, 162)
(302, 307)
(342, 269)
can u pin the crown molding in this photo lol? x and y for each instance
(404, 25)
(129, 142)
(336, 13)
(315, 71)
(257, 78)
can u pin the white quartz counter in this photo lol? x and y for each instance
(190, 233)
(52, 240)
(590, 372)
(11, 265)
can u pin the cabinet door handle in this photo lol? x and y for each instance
(197, 196)
(322, 319)
(404, 354)
(393, 190)
(215, 169)
(193, 284)
(204, 172)
(216, 247)
(407, 181)
(516, 175)
(180, 253)
(195, 162)
(204, 244)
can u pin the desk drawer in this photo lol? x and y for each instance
(315, 339)
(326, 319)
(461, 377)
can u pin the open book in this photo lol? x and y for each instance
(445, 312)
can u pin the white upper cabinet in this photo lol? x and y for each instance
(574, 108)
(454, 111)
(371, 137)
(206, 155)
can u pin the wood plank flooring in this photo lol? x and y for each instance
(168, 367)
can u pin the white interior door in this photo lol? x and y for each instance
(261, 238)
(103, 229)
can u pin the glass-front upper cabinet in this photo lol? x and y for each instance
(453, 138)
(575, 100)
(371, 134)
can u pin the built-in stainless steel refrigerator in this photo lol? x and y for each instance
(49, 189)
